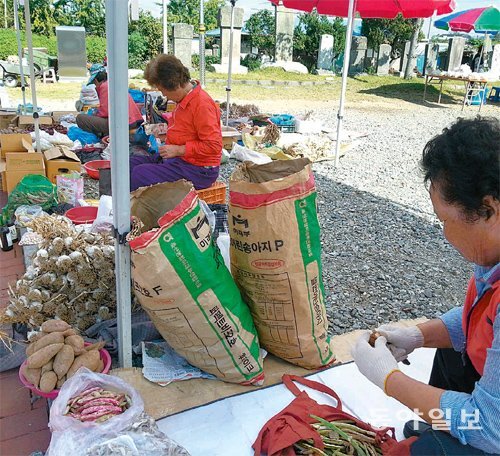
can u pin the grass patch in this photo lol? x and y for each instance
(359, 89)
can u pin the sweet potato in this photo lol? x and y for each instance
(49, 339)
(36, 336)
(89, 359)
(77, 343)
(43, 356)
(60, 382)
(32, 375)
(96, 346)
(48, 366)
(100, 367)
(30, 349)
(373, 337)
(63, 360)
(55, 325)
(48, 382)
(69, 332)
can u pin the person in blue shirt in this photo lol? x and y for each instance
(462, 167)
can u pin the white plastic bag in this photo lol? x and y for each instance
(243, 153)
(72, 436)
(104, 219)
(60, 139)
(223, 244)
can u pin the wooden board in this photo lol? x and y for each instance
(162, 401)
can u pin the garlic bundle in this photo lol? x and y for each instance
(72, 277)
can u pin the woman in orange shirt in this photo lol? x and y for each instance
(194, 139)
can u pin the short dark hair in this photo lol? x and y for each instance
(101, 76)
(464, 161)
(166, 71)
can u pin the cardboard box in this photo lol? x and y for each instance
(2, 175)
(28, 120)
(60, 160)
(229, 136)
(19, 164)
(15, 142)
(6, 118)
(56, 115)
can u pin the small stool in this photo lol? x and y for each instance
(494, 94)
(49, 75)
(215, 194)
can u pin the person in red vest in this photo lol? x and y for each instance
(193, 146)
(462, 398)
(98, 123)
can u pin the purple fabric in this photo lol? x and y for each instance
(145, 171)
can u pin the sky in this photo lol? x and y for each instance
(252, 6)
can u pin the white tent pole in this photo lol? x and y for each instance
(29, 42)
(230, 65)
(201, 38)
(117, 47)
(345, 69)
(165, 29)
(20, 54)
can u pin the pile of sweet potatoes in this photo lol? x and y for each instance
(56, 353)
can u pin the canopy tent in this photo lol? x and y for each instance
(29, 43)
(387, 9)
(480, 20)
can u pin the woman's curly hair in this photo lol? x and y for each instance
(464, 161)
(166, 71)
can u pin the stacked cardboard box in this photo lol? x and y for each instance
(60, 160)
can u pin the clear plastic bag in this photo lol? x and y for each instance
(72, 436)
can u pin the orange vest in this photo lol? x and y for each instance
(477, 322)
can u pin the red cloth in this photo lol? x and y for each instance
(374, 8)
(293, 423)
(480, 319)
(134, 115)
(195, 123)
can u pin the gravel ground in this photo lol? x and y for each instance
(384, 255)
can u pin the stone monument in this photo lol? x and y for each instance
(325, 54)
(285, 24)
(455, 53)
(495, 61)
(431, 56)
(384, 59)
(181, 44)
(358, 52)
(225, 40)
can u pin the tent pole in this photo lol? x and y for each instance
(20, 54)
(201, 38)
(165, 29)
(116, 36)
(29, 42)
(345, 69)
(230, 65)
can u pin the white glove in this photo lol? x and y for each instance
(402, 341)
(375, 363)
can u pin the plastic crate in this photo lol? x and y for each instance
(286, 128)
(216, 194)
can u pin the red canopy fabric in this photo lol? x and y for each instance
(373, 8)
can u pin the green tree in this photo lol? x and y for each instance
(388, 31)
(188, 12)
(151, 29)
(262, 26)
(85, 13)
(307, 36)
(42, 15)
(137, 50)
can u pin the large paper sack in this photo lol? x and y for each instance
(180, 279)
(276, 258)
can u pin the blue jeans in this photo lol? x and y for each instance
(439, 443)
